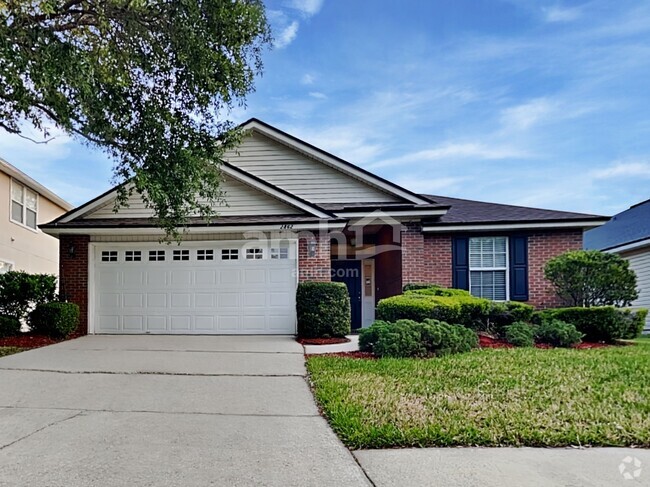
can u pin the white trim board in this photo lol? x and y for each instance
(630, 246)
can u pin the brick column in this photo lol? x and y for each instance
(73, 275)
(318, 267)
(412, 254)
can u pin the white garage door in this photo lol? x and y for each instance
(195, 288)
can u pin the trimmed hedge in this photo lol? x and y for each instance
(323, 309)
(9, 326)
(520, 334)
(55, 319)
(20, 292)
(433, 290)
(453, 306)
(599, 324)
(558, 333)
(408, 338)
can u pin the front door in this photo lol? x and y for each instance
(349, 272)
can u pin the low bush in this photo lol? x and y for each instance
(9, 326)
(408, 338)
(323, 309)
(558, 333)
(433, 290)
(599, 324)
(20, 292)
(501, 315)
(55, 319)
(520, 334)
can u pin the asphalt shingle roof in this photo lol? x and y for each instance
(629, 226)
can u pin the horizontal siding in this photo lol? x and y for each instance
(242, 200)
(301, 175)
(640, 263)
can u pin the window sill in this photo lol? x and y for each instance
(22, 225)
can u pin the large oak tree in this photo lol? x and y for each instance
(148, 81)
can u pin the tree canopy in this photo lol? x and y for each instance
(148, 81)
(592, 278)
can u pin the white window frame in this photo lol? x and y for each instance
(23, 203)
(8, 263)
(487, 269)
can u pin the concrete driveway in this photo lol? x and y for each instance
(165, 411)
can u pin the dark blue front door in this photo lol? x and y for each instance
(349, 272)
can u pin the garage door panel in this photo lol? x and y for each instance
(229, 294)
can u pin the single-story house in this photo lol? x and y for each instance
(24, 204)
(628, 234)
(296, 213)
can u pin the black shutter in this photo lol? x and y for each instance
(460, 263)
(519, 268)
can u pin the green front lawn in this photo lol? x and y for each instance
(519, 397)
(9, 350)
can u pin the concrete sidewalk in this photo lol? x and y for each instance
(165, 411)
(505, 467)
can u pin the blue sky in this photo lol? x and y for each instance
(530, 102)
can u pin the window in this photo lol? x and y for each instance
(181, 255)
(5, 266)
(254, 254)
(24, 205)
(280, 253)
(156, 255)
(109, 255)
(205, 254)
(488, 267)
(132, 256)
(229, 254)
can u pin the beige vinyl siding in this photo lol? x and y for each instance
(242, 200)
(300, 174)
(640, 263)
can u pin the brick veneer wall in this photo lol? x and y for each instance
(319, 267)
(437, 261)
(541, 248)
(413, 256)
(73, 275)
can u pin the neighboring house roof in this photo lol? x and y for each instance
(629, 227)
(469, 212)
(23, 178)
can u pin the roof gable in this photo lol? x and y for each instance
(309, 172)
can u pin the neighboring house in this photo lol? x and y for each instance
(298, 213)
(628, 234)
(24, 204)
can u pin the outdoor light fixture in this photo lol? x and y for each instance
(311, 248)
(71, 251)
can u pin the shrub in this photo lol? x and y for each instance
(520, 334)
(433, 290)
(20, 292)
(400, 339)
(9, 326)
(323, 309)
(558, 333)
(592, 278)
(501, 315)
(55, 319)
(599, 324)
(407, 338)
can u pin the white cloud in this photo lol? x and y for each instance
(306, 7)
(456, 151)
(318, 95)
(624, 169)
(287, 35)
(307, 79)
(559, 14)
(527, 114)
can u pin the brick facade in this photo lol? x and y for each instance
(541, 248)
(73, 275)
(413, 255)
(319, 267)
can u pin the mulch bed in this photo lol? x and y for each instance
(485, 341)
(31, 340)
(357, 355)
(322, 341)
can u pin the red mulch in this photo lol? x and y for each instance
(485, 341)
(321, 341)
(357, 355)
(30, 340)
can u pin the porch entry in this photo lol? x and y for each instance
(358, 276)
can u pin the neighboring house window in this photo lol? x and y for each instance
(24, 205)
(488, 267)
(5, 266)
